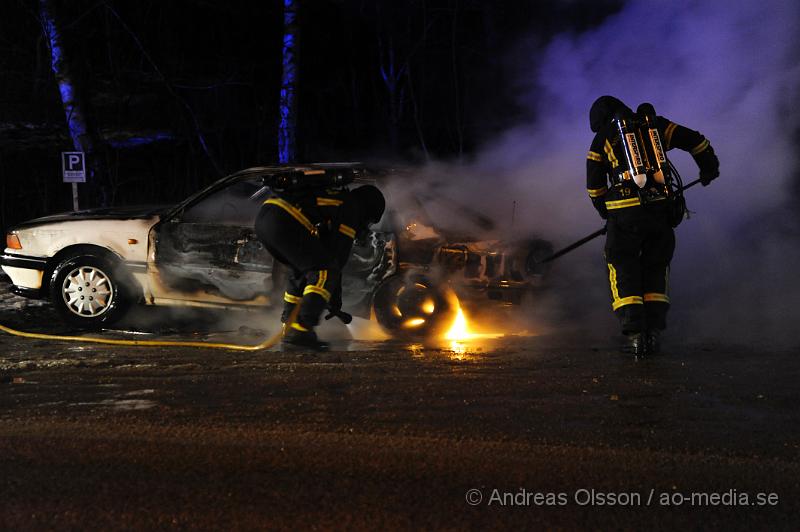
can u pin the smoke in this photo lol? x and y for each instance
(728, 69)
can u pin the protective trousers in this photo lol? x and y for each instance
(639, 247)
(314, 276)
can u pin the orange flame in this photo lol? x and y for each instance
(460, 330)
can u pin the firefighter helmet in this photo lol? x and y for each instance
(371, 201)
(604, 109)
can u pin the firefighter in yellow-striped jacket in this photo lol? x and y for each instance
(312, 232)
(640, 239)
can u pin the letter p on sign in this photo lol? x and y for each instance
(73, 166)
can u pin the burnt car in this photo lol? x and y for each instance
(94, 264)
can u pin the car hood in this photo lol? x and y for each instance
(101, 213)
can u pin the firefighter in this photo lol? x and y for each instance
(630, 188)
(312, 233)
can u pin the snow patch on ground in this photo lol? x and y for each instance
(9, 301)
(8, 364)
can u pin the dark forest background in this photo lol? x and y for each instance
(378, 80)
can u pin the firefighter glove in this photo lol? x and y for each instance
(709, 165)
(600, 205)
(707, 176)
(335, 304)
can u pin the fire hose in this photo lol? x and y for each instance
(589, 238)
(266, 344)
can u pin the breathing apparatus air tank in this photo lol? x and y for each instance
(654, 149)
(309, 178)
(636, 165)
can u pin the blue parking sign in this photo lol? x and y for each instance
(73, 166)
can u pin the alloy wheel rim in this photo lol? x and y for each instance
(87, 291)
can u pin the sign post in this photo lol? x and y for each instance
(73, 170)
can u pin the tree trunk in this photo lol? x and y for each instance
(393, 81)
(83, 138)
(287, 148)
(456, 84)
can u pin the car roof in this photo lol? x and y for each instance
(363, 175)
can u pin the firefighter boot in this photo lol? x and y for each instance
(297, 337)
(635, 344)
(653, 341)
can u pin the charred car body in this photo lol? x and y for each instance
(204, 252)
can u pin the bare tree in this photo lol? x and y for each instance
(401, 32)
(83, 137)
(287, 128)
(195, 122)
(457, 110)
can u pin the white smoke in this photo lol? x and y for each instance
(728, 69)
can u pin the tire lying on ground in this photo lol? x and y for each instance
(90, 291)
(412, 306)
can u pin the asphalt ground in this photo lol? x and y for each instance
(536, 432)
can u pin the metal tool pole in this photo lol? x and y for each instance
(74, 196)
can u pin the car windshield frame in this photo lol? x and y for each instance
(255, 172)
(217, 185)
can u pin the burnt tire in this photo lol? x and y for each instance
(90, 292)
(412, 306)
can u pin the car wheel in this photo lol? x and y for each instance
(89, 291)
(412, 306)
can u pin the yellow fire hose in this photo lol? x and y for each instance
(266, 344)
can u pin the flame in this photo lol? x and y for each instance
(460, 331)
(428, 306)
(414, 322)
